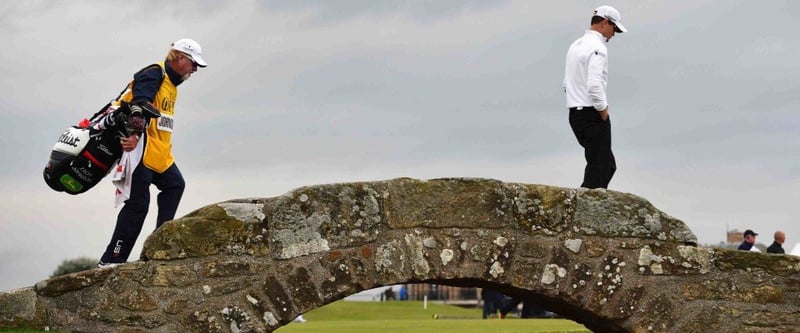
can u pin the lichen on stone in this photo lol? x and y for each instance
(269, 319)
(496, 270)
(302, 237)
(645, 256)
(573, 245)
(245, 212)
(389, 259)
(702, 257)
(417, 255)
(446, 256)
(429, 242)
(551, 273)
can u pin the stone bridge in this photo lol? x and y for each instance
(606, 259)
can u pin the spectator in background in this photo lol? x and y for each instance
(388, 294)
(749, 240)
(777, 244)
(529, 309)
(403, 293)
(492, 302)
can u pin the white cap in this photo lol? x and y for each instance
(612, 15)
(191, 48)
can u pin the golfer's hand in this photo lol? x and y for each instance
(129, 142)
(604, 114)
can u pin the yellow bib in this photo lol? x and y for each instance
(158, 151)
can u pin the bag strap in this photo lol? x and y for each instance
(104, 109)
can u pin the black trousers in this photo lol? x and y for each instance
(594, 135)
(131, 217)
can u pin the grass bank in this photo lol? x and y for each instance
(410, 316)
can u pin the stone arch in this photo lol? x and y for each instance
(606, 259)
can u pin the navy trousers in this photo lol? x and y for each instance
(132, 215)
(594, 135)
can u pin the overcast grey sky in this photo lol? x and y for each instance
(703, 98)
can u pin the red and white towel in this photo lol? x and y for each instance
(123, 172)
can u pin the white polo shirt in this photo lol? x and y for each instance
(586, 72)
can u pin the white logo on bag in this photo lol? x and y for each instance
(68, 138)
(72, 141)
(104, 149)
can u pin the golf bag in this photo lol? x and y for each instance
(84, 154)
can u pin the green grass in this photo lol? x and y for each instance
(397, 317)
(410, 316)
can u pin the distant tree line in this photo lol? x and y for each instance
(75, 265)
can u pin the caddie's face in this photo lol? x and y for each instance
(186, 66)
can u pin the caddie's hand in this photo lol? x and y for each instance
(129, 142)
(604, 114)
